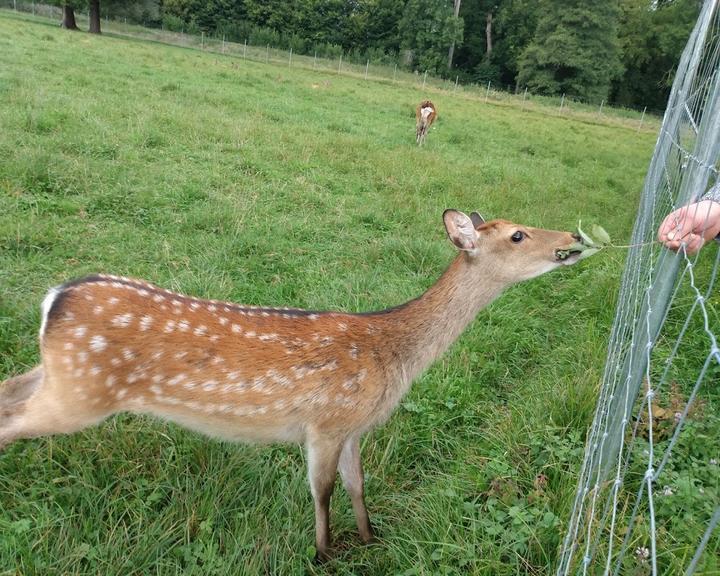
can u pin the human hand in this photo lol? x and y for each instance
(691, 225)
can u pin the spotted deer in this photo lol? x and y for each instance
(111, 344)
(425, 115)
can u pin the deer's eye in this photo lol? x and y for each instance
(517, 237)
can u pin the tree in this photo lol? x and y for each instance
(575, 49)
(652, 37)
(427, 28)
(68, 17)
(456, 14)
(94, 16)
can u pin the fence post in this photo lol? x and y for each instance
(315, 60)
(267, 53)
(223, 44)
(562, 101)
(33, 4)
(487, 92)
(290, 60)
(340, 64)
(641, 119)
(424, 78)
(366, 68)
(456, 81)
(202, 40)
(524, 98)
(15, 5)
(394, 73)
(244, 48)
(601, 106)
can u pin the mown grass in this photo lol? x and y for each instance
(267, 185)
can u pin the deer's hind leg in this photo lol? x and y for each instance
(351, 472)
(31, 405)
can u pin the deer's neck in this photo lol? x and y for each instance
(427, 326)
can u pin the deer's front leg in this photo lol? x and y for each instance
(323, 455)
(351, 472)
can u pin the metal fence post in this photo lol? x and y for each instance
(487, 92)
(562, 101)
(456, 81)
(424, 79)
(642, 118)
(366, 68)
(340, 64)
(290, 60)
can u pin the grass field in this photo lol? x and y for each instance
(266, 185)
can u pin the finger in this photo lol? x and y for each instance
(694, 244)
(674, 223)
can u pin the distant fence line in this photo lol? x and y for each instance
(488, 93)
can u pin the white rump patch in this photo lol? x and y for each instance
(425, 112)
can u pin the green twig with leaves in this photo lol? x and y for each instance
(589, 245)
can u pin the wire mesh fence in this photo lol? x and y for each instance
(648, 498)
(367, 70)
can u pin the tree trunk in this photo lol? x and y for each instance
(68, 18)
(452, 46)
(94, 17)
(488, 34)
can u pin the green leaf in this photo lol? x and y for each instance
(588, 252)
(586, 240)
(600, 233)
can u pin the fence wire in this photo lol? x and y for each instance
(646, 501)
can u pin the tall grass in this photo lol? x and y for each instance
(269, 185)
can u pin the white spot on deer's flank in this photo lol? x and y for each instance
(68, 346)
(169, 326)
(120, 394)
(82, 357)
(200, 330)
(80, 331)
(183, 325)
(98, 343)
(113, 300)
(145, 322)
(176, 379)
(236, 328)
(128, 354)
(98, 310)
(95, 370)
(122, 320)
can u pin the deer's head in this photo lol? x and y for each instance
(512, 252)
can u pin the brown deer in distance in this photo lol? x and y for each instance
(425, 115)
(111, 344)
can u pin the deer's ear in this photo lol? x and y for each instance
(460, 229)
(477, 220)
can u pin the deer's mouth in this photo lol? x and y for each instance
(568, 255)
